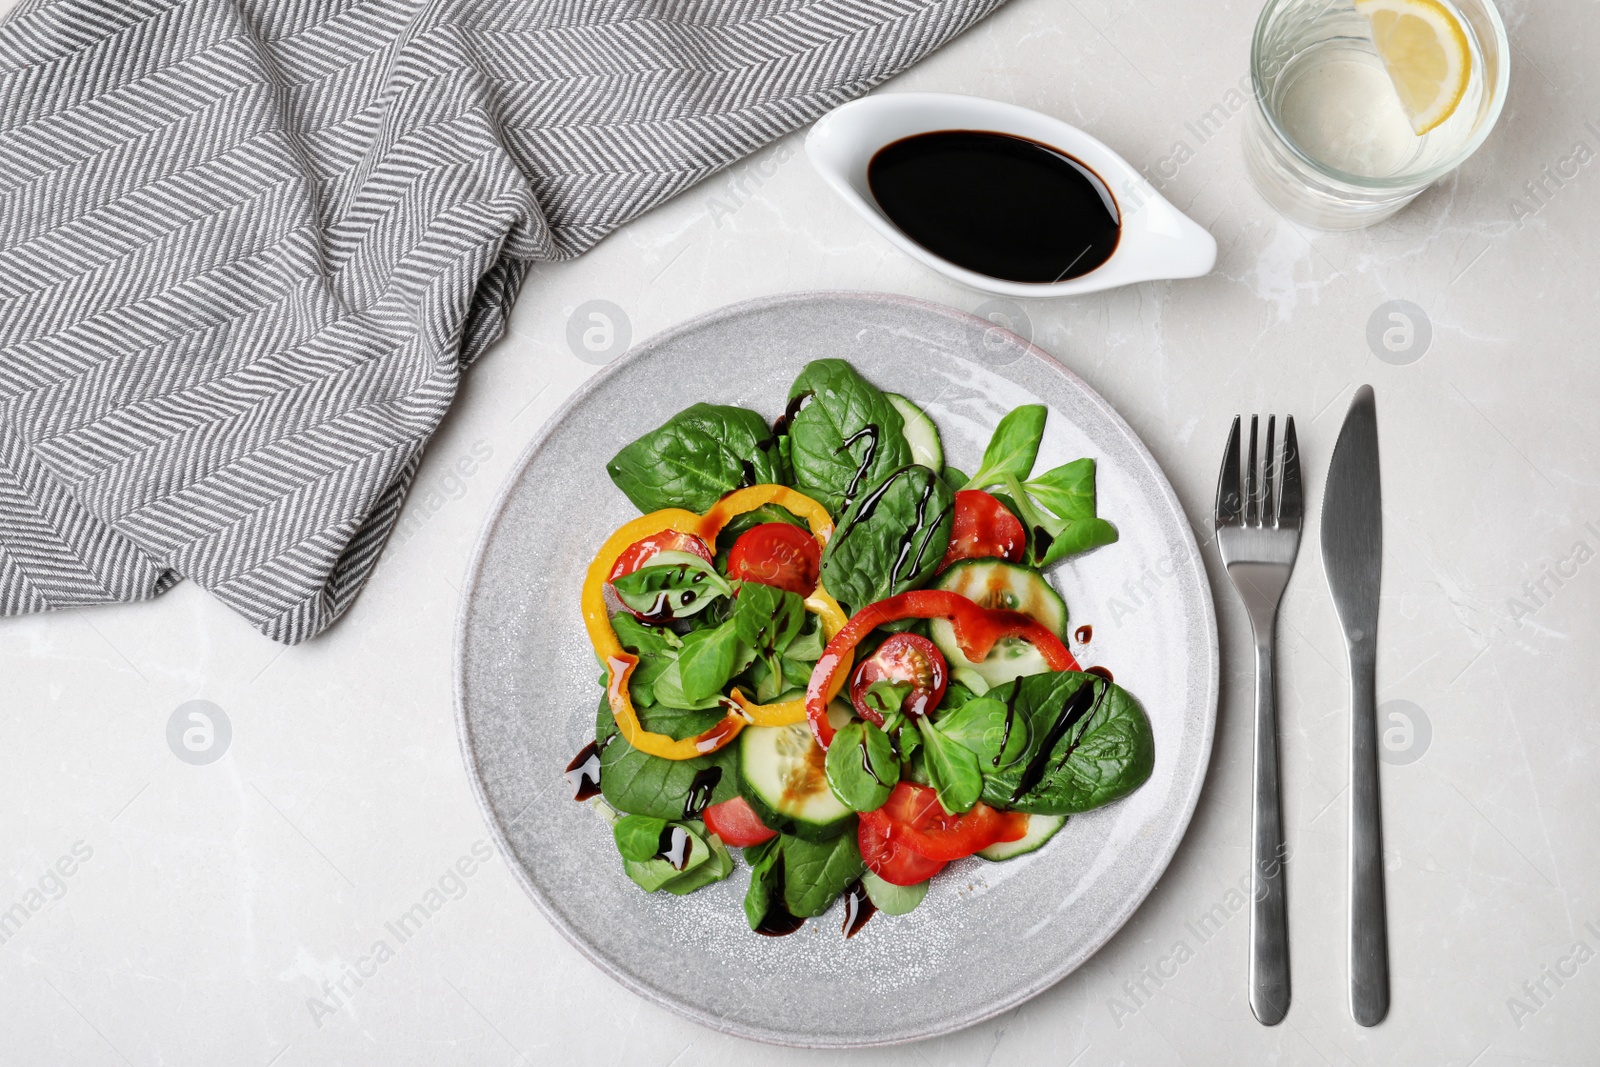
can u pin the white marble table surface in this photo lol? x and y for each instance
(213, 912)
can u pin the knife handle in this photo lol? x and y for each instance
(1269, 921)
(1369, 924)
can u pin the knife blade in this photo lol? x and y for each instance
(1352, 557)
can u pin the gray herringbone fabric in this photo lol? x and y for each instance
(247, 247)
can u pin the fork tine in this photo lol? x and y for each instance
(1291, 504)
(1269, 459)
(1228, 497)
(1252, 482)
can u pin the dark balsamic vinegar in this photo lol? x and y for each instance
(583, 773)
(858, 908)
(700, 790)
(997, 204)
(778, 922)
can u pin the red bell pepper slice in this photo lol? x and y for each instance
(976, 630)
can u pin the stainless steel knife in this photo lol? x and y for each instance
(1352, 556)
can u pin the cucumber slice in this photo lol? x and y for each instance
(1041, 828)
(782, 776)
(920, 433)
(994, 583)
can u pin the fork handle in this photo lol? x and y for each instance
(1269, 923)
(1369, 927)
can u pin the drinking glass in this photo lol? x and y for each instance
(1328, 143)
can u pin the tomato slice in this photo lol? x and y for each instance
(984, 528)
(777, 554)
(737, 823)
(890, 858)
(902, 660)
(920, 822)
(643, 550)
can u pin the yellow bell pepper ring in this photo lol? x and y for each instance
(619, 662)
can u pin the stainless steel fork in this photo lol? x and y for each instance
(1258, 533)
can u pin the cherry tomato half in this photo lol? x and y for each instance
(890, 858)
(642, 551)
(737, 823)
(904, 659)
(984, 528)
(919, 821)
(777, 554)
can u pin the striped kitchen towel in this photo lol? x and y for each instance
(247, 247)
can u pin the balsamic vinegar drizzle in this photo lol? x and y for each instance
(660, 611)
(674, 847)
(870, 431)
(997, 204)
(778, 921)
(583, 773)
(866, 763)
(869, 504)
(780, 425)
(700, 790)
(858, 908)
(1101, 671)
(1084, 634)
(1082, 703)
(1011, 718)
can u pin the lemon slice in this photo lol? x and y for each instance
(1424, 47)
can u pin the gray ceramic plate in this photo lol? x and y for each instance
(989, 935)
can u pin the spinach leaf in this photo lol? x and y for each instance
(766, 879)
(1066, 513)
(952, 769)
(955, 478)
(816, 872)
(893, 899)
(672, 585)
(1013, 448)
(641, 784)
(847, 439)
(890, 539)
(695, 457)
(707, 661)
(983, 727)
(861, 767)
(1090, 743)
(605, 726)
(767, 617)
